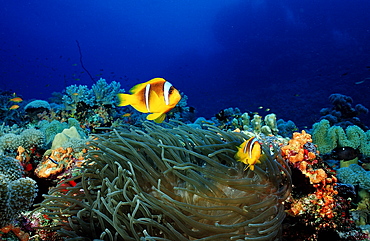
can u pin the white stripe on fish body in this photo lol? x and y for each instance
(249, 147)
(147, 93)
(166, 92)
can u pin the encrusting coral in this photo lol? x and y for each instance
(175, 183)
(16, 192)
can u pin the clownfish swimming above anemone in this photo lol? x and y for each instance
(249, 152)
(156, 96)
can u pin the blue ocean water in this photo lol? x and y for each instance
(287, 55)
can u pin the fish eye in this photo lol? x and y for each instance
(170, 90)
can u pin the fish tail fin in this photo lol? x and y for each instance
(157, 117)
(124, 99)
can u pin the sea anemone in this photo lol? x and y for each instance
(175, 183)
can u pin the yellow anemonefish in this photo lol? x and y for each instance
(13, 107)
(249, 152)
(156, 96)
(16, 99)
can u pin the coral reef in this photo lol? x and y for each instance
(37, 104)
(252, 122)
(20, 235)
(93, 108)
(77, 94)
(8, 115)
(329, 137)
(106, 94)
(27, 138)
(16, 192)
(60, 159)
(35, 108)
(342, 113)
(175, 183)
(315, 202)
(286, 128)
(355, 175)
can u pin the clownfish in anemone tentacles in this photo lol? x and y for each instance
(156, 96)
(249, 152)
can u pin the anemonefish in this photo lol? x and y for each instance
(249, 152)
(156, 96)
(16, 99)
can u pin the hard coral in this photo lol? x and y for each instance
(16, 193)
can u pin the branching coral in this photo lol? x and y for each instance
(105, 93)
(172, 184)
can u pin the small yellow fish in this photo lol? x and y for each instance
(156, 96)
(249, 152)
(14, 107)
(75, 94)
(16, 99)
(261, 107)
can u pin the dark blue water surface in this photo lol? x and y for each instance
(286, 55)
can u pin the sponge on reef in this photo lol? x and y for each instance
(329, 137)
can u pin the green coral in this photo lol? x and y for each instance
(16, 193)
(329, 137)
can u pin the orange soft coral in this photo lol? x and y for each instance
(301, 154)
(295, 150)
(16, 230)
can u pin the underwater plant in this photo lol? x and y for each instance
(175, 183)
